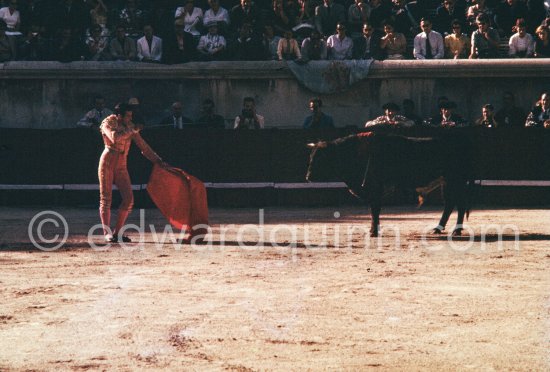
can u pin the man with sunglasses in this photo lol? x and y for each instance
(485, 40)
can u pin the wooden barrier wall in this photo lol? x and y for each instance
(70, 156)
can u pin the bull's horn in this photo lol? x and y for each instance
(311, 145)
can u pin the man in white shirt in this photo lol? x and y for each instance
(249, 119)
(211, 46)
(217, 14)
(339, 46)
(149, 47)
(428, 44)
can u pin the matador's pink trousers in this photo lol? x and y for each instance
(117, 138)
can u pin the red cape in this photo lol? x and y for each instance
(180, 197)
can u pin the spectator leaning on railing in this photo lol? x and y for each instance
(521, 44)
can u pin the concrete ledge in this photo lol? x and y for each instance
(270, 70)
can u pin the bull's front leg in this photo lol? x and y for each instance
(375, 219)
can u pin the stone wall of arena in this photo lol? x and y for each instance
(52, 95)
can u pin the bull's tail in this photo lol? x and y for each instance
(423, 192)
(470, 192)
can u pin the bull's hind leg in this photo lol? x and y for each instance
(461, 206)
(447, 210)
(444, 218)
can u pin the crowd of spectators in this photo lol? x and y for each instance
(446, 116)
(177, 31)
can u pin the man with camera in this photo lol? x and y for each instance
(249, 119)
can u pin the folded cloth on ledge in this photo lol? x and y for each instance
(330, 76)
(181, 198)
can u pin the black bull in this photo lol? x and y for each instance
(367, 162)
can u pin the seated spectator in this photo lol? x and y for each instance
(390, 118)
(487, 118)
(270, 43)
(510, 115)
(457, 44)
(306, 14)
(244, 13)
(507, 13)
(447, 118)
(314, 48)
(447, 14)
(478, 8)
(209, 118)
(33, 12)
(68, 47)
(485, 40)
(35, 47)
(71, 14)
(339, 46)
(191, 16)
(217, 14)
(249, 119)
(212, 46)
(368, 45)
(521, 44)
(380, 13)
(288, 48)
(542, 43)
(318, 119)
(402, 18)
(393, 43)
(180, 46)
(11, 16)
(176, 119)
(133, 18)
(97, 45)
(7, 44)
(358, 14)
(408, 112)
(94, 117)
(539, 117)
(328, 15)
(163, 20)
(99, 15)
(122, 48)
(428, 44)
(246, 47)
(281, 20)
(149, 47)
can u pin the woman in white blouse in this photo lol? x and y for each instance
(11, 16)
(192, 17)
(521, 44)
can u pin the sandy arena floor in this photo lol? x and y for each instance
(326, 298)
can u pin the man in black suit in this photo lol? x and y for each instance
(328, 15)
(368, 45)
(177, 120)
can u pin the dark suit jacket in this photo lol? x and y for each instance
(326, 21)
(171, 53)
(360, 44)
(442, 20)
(169, 120)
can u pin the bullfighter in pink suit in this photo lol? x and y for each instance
(118, 132)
